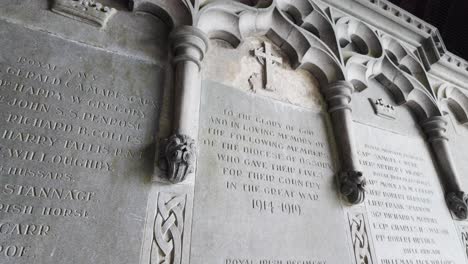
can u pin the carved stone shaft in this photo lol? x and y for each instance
(189, 46)
(338, 97)
(435, 128)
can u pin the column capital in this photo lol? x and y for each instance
(435, 127)
(338, 95)
(189, 43)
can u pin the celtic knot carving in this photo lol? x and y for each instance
(464, 237)
(360, 238)
(168, 229)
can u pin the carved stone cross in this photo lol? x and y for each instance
(265, 57)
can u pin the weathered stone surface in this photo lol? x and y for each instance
(264, 184)
(408, 217)
(242, 70)
(326, 134)
(77, 148)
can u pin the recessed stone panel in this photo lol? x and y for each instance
(76, 146)
(264, 190)
(408, 218)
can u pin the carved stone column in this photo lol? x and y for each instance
(435, 128)
(179, 152)
(351, 181)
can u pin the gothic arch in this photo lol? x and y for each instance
(406, 61)
(456, 100)
(403, 76)
(174, 13)
(359, 44)
(357, 38)
(368, 56)
(298, 28)
(406, 89)
(306, 35)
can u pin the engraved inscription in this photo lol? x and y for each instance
(276, 163)
(405, 204)
(69, 130)
(265, 173)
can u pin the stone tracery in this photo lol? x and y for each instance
(344, 53)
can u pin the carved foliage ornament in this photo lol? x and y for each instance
(168, 229)
(178, 157)
(352, 186)
(457, 203)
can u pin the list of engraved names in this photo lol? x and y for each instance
(63, 129)
(405, 203)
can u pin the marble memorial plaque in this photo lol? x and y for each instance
(264, 189)
(76, 134)
(408, 219)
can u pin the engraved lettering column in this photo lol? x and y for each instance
(189, 46)
(338, 97)
(435, 128)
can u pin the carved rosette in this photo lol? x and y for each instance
(168, 229)
(435, 128)
(351, 180)
(179, 157)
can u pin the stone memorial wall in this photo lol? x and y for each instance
(77, 148)
(232, 132)
(263, 162)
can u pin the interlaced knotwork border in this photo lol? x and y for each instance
(168, 229)
(360, 238)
